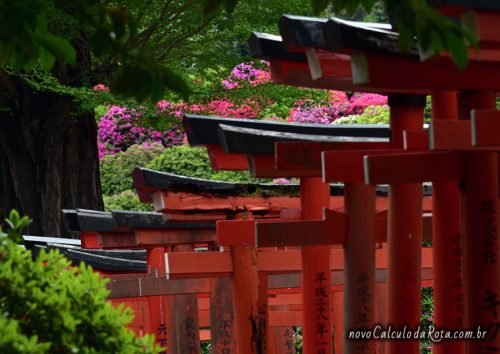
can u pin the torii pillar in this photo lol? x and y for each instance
(404, 232)
(480, 227)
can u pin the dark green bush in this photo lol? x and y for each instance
(126, 200)
(48, 306)
(116, 170)
(192, 161)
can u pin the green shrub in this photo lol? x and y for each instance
(126, 200)
(116, 170)
(48, 306)
(192, 161)
(371, 115)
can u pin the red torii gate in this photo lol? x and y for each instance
(369, 68)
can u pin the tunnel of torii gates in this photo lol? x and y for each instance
(241, 265)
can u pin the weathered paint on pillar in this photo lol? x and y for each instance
(221, 316)
(480, 226)
(283, 340)
(404, 233)
(381, 312)
(316, 314)
(447, 242)
(359, 263)
(184, 319)
(158, 305)
(338, 320)
(245, 282)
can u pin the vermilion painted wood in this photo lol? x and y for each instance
(237, 232)
(441, 139)
(284, 341)
(180, 202)
(218, 264)
(480, 229)
(151, 286)
(275, 233)
(307, 156)
(447, 241)
(337, 299)
(264, 166)
(483, 25)
(485, 128)
(348, 166)
(323, 61)
(90, 240)
(413, 167)
(415, 140)
(300, 233)
(160, 315)
(359, 263)
(245, 282)
(220, 160)
(298, 74)
(404, 238)
(183, 318)
(317, 320)
(370, 70)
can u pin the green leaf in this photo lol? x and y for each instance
(175, 83)
(58, 47)
(458, 50)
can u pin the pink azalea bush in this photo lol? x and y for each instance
(100, 87)
(339, 105)
(121, 127)
(248, 73)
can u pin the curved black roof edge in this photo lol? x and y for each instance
(202, 130)
(191, 185)
(242, 140)
(342, 35)
(121, 261)
(299, 32)
(126, 221)
(270, 47)
(150, 180)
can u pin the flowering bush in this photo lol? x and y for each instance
(116, 170)
(121, 127)
(100, 87)
(371, 115)
(247, 73)
(338, 105)
(359, 102)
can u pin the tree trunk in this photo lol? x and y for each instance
(48, 155)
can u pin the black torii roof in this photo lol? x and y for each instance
(120, 261)
(203, 130)
(123, 221)
(241, 140)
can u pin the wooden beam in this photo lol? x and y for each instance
(296, 233)
(307, 156)
(203, 203)
(153, 286)
(220, 160)
(194, 265)
(263, 166)
(450, 135)
(484, 26)
(485, 128)
(348, 166)
(413, 167)
(371, 70)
